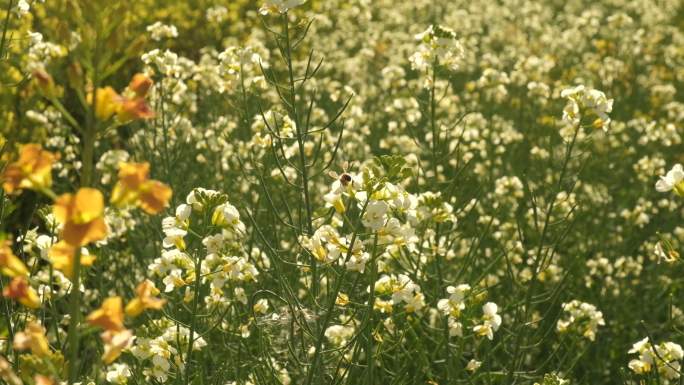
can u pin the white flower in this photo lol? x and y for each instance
(581, 317)
(118, 374)
(334, 199)
(174, 238)
(490, 321)
(473, 365)
(414, 303)
(587, 103)
(173, 280)
(669, 256)
(440, 44)
(673, 180)
(160, 368)
(23, 7)
(261, 306)
(217, 14)
(573, 92)
(339, 334)
(358, 262)
(183, 212)
(227, 216)
(159, 31)
(213, 243)
(664, 357)
(599, 104)
(490, 310)
(375, 214)
(279, 6)
(455, 328)
(453, 305)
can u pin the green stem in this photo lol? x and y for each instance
(191, 337)
(368, 323)
(3, 42)
(433, 123)
(301, 136)
(87, 161)
(440, 277)
(74, 313)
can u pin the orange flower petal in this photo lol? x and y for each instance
(109, 316)
(155, 197)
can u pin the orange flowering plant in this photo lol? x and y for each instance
(145, 299)
(10, 264)
(62, 255)
(33, 170)
(135, 189)
(109, 316)
(20, 290)
(126, 107)
(82, 216)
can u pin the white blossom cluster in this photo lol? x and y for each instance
(664, 358)
(582, 318)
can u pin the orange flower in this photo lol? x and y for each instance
(114, 343)
(145, 299)
(10, 265)
(42, 380)
(109, 316)
(20, 290)
(33, 337)
(62, 254)
(134, 188)
(134, 109)
(33, 169)
(154, 196)
(107, 102)
(140, 84)
(82, 215)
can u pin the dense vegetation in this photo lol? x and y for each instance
(341, 192)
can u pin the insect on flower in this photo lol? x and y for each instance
(345, 178)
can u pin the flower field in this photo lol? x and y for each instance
(341, 192)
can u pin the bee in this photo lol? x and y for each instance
(345, 178)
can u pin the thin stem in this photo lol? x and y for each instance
(433, 124)
(301, 136)
(193, 319)
(74, 313)
(5, 26)
(367, 325)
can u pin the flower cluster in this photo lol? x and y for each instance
(587, 106)
(438, 45)
(225, 264)
(663, 358)
(162, 354)
(582, 318)
(452, 307)
(401, 290)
